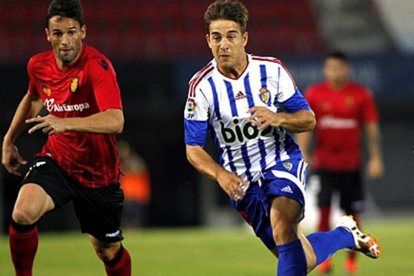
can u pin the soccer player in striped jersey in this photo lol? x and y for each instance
(238, 97)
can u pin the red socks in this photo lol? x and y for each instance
(120, 265)
(324, 217)
(23, 241)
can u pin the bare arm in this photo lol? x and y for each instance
(375, 163)
(105, 122)
(300, 121)
(232, 184)
(303, 140)
(29, 107)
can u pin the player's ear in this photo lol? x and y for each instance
(83, 31)
(245, 37)
(208, 40)
(47, 34)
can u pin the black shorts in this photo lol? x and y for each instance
(349, 187)
(99, 210)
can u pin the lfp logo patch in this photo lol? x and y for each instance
(191, 107)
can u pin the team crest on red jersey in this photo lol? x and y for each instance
(326, 106)
(264, 95)
(74, 85)
(46, 90)
(349, 101)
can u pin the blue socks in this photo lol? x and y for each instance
(326, 244)
(292, 259)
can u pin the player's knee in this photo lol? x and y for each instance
(106, 252)
(25, 216)
(285, 231)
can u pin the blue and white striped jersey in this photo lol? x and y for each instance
(219, 104)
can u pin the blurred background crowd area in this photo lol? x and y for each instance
(156, 46)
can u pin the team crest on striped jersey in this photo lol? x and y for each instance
(264, 95)
(288, 165)
(74, 85)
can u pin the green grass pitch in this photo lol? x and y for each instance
(205, 252)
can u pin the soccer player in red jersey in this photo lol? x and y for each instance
(343, 108)
(77, 86)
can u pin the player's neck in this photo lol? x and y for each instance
(337, 84)
(236, 71)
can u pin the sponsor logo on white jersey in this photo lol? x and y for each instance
(239, 130)
(51, 106)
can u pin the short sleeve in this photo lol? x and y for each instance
(296, 102)
(196, 116)
(105, 86)
(369, 110)
(32, 85)
(286, 86)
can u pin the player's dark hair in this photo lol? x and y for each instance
(228, 10)
(65, 8)
(338, 55)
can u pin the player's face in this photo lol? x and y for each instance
(227, 43)
(65, 35)
(336, 71)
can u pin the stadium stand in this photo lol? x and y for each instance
(160, 29)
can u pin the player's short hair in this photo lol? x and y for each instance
(338, 55)
(228, 10)
(66, 8)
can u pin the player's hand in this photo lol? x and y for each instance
(232, 184)
(48, 124)
(375, 168)
(11, 158)
(263, 117)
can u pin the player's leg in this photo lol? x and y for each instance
(254, 208)
(43, 190)
(325, 243)
(282, 199)
(115, 257)
(285, 214)
(284, 186)
(31, 204)
(327, 187)
(352, 202)
(99, 211)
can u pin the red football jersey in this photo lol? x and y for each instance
(87, 87)
(340, 115)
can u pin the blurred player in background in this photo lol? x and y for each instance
(237, 97)
(343, 108)
(136, 184)
(77, 85)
